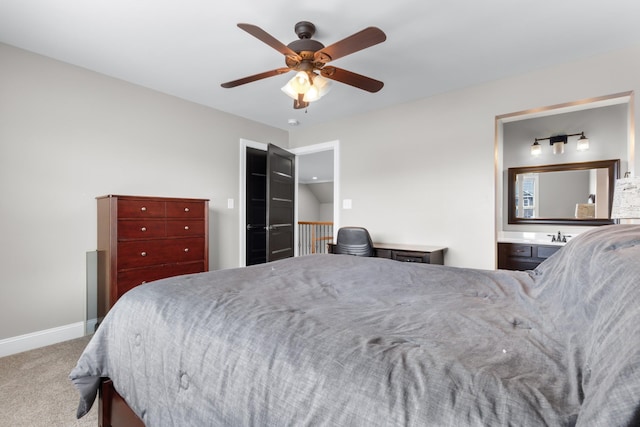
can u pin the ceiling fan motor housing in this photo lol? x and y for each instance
(305, 29)
(305, 45)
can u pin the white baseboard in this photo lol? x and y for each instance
(39, 339)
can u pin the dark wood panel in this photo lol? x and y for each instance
(142, 253)
(280, 203)
(140, 208)
(410, 256)
(547, 251)
(141, 228)
(256, 206)
(519, 256)
(406, 253)
(113, 410)
(185, 209)
(185, 227)
(519, 250)
(129, 279)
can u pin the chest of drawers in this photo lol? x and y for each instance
(141, 239)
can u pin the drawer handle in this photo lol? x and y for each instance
(143, 253)
(143, 209)
(143, 229)
(186, 209)
(186, 249)
(186, 227)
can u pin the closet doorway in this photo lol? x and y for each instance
(270, 204)
(252, 240)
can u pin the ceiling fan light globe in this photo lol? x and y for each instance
(322, 84)
(313, 94)
(319, 88)
(287, 89)
(300, 82)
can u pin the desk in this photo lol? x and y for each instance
(407, 253)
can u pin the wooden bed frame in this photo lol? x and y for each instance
(113, 411)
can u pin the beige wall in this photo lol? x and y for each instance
(421, 172)
(308, 204)
(424, 172)
(68, 135)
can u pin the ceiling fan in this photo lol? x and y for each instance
(309, 59)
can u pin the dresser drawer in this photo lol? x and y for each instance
(384, 253)
(185, 209)
(547, 251)
(186, 227)
(519, 250)
(141, 208)
(141, 229)
(129, 279)
(410, 256)
(185, 250)
(142, 253)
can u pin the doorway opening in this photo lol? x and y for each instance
(306, 158)
(317, 206)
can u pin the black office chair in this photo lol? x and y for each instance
(354, 241)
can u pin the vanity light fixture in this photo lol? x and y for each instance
(558, 142)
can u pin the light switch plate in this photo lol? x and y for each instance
(346, 204)
(229, 203)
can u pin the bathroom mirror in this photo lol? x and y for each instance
(568, 193)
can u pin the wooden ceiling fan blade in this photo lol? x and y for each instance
(267, 38)
(352, 79)
(368, 37)
(255, 77)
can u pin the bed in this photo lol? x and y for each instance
(339, 340)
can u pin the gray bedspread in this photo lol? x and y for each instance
(337, 340)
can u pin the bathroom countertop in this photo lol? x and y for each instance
(532, 238)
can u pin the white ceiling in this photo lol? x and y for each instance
(315, 167)
(187, 48)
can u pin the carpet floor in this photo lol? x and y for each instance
(35, 389)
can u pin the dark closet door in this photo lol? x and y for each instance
(280, 203)
(256, 207)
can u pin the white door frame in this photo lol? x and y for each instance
(316, 148)
(299, 151)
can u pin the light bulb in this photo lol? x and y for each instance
(300, 83)
(536, 149)
(583, 143)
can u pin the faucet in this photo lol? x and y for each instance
(562, 238)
